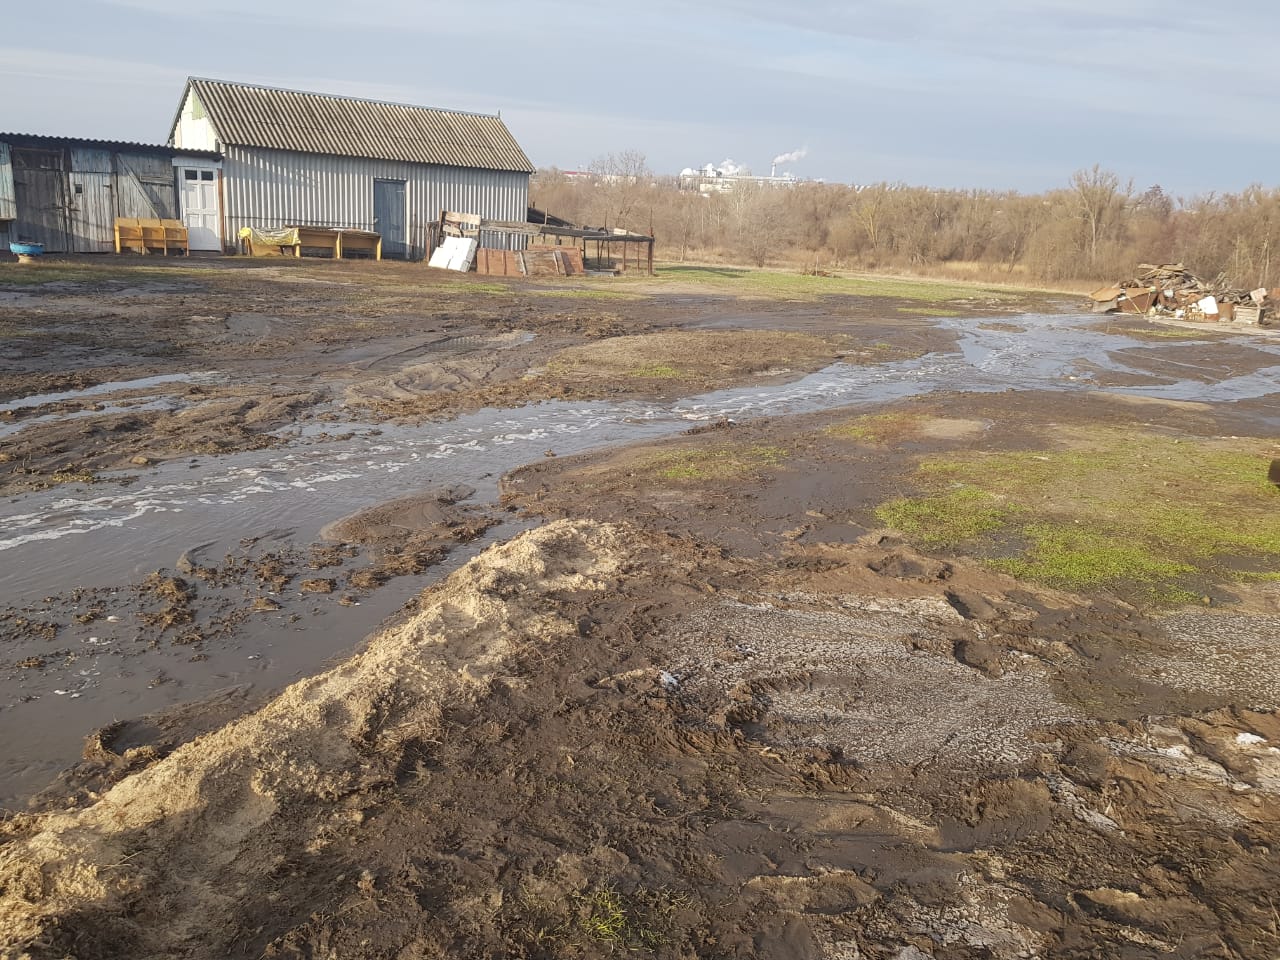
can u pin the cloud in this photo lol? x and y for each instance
(37, 64)
(987, 93)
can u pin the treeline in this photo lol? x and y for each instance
(1096, 228)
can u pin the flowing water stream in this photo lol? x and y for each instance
(105, 536)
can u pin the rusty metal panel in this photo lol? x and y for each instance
(8, 205)
(1137, 300)
(269, 188)
(571, 261)
(499, 263)
(40, 194)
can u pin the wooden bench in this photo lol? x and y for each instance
(290, 241)
(337, 240)
(142, 235)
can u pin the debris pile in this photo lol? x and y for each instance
(1171, 290)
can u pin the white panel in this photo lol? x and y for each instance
(455, 253)
(192, 132)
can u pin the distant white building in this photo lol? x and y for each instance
(723, 177)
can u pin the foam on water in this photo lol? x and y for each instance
(316, 477)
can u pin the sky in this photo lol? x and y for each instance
(989, 94)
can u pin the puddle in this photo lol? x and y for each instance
(115, 386)
(163, 403)
(54, 541)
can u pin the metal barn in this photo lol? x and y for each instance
(310, 159)
(66, 193)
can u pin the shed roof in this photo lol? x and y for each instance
(38, 140)
(271, 118)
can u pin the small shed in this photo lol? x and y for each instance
(66, 192)
(292, 158)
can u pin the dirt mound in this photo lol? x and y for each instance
(591, 741)
(165, 857)
(409, 534)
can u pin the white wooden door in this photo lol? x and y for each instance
(200, 212)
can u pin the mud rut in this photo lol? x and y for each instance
(676, 729)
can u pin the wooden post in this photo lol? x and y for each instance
(222, 211)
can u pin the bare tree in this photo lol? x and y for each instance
(624, 181)
(684, 213)
(758, 221)
(869, 208)
(1100, 202)
(1093, 229)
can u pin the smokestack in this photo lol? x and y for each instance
(773, 169)
(793, 156)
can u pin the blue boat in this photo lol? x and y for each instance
(26, 249)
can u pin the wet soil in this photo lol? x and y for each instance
(594, 740)
(270, 348)
(707, 708)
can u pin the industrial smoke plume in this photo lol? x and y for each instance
(791, 157)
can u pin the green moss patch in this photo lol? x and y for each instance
(948, 519)
(722, 462)
(656, 371)
(878, 427)
(1147, 516)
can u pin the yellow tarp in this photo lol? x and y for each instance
(268, 242)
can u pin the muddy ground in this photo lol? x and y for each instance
(711, 706)
(242, 351)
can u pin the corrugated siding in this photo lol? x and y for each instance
(8, 204)
(270, 188)
(274, 119)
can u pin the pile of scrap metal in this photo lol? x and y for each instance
(1172, 291)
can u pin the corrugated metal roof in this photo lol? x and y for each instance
(119, 146)
(274, 119)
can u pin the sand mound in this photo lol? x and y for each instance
(165, 856)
